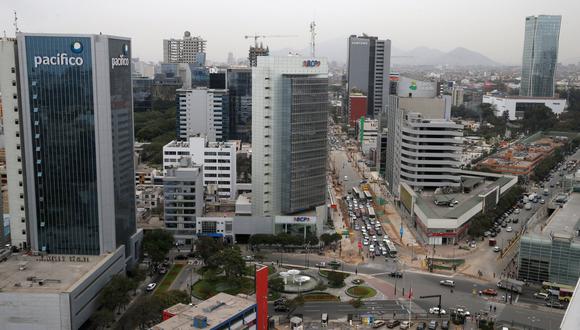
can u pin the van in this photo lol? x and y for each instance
(324, 320)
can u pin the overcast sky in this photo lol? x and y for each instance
(494, 28)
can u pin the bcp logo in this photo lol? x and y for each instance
(76, 47)
(311, 63)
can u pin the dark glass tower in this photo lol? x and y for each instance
(540, 55)
(240, 92)
(77, 126)
(304, 142)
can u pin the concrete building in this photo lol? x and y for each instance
(78, 176)
(551, 253)
(222, 311)
(183, 195)
(540, 55)
(289, 134)
(438, 223)
(423, 145)
(457, 96)
(189, 49)
(217, 158)
(256, 51)
(202, 111)
(367, 131)
(515, 107)
(216, 225)
(10, 91)
(368, 70)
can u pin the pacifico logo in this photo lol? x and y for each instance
(123, 59)
(62, 58)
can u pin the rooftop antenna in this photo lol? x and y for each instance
(313, 39)
(16, 22)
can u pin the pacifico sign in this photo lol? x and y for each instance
(62, 58)
(123, 59)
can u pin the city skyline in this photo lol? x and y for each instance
(417, 24)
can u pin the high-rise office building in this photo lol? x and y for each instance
(189, 49)
(202, 111)
(240, 90)
(76, 128)
(540, 55)
(9, 88)
(289, 134)
(368, 69)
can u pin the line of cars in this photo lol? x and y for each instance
(373, 235)
(432, 325)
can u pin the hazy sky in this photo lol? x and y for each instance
(494, 28)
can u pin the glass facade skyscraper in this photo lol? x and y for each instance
(540, 55)
(77, 127)
(240, 92)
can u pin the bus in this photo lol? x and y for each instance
(391, 249)
(372, 214)
(564, 291)
(356, 192)
(368, 195)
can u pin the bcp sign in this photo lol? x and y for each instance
(311, 63)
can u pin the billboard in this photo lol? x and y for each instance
(262, 296)
(416, 88)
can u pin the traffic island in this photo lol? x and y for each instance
(361, 292)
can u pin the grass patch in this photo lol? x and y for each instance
(319, 296)
(273, 295)
(169, 278)
(207, 288)
(361, 291)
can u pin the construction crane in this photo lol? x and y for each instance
(258, 36)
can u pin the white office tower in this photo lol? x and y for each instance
(12, 141)
(183, 193)
(217, 158)
(426, 146)
(186, 50)
(202, 111)
(289, 134)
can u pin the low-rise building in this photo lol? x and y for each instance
(516, 106)
(551, 252)
(366, 132)
(222, 311)
(183, 193)
(217, 158)
(443, 216)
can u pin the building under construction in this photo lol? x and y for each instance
(256, 51)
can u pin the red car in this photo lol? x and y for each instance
(489, 292)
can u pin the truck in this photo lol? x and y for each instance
(511, 285)
(528, 206)
(532, 196)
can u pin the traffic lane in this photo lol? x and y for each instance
(337, 310)
(537, 318)
(345, 169)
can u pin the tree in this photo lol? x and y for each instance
(206, 247)
(538, 118)
(157, 243)
(231, 261)
(335, 279)
(146, 311)
(326, 239)
(103, 318)
(276, 284)
(116, 293)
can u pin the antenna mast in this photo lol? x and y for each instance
(16, 22)
(313, 39)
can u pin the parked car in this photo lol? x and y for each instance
(447, 283)
(555, 304)
(433, 325)
(281, 301)
(422, 326)
(445, 325)
(508, 229)
(151, 286)
(282, 309)
(496, 249)
(406, 325)
(393, 323)
(396, 274)
(378, 324)
(162, 270)
(541, 295)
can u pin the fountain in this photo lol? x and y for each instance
(295, 282)
(284, 276)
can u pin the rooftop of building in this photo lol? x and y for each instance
(564, 222)
(518, 97)
(217, 309)
(475, 184)
(46, 274)
(186, 143)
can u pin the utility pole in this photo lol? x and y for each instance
(313, 39)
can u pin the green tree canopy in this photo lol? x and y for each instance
(157, 243)
(207, 247)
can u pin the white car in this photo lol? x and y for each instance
(405, 325)
(508, 229)
(435, 310)
(365, 242)
(151, 286)
(447, 283)
(372, 248)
